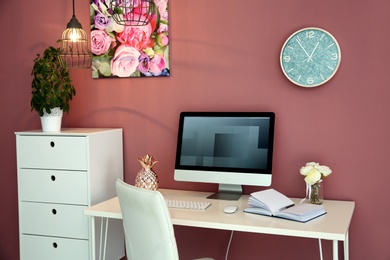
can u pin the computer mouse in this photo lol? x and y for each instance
(230, 209)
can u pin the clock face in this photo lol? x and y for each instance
(310, 57)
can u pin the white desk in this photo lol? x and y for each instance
(332, 226)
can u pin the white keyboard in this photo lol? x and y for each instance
(183, 204)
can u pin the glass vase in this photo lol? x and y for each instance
(315, 193)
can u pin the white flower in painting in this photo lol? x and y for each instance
(114, 26)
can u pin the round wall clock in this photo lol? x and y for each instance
(310, 57)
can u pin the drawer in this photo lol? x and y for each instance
(70, 187)
(39, 248)
(53, 220)
(52, 152)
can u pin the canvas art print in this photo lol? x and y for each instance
(127, 50)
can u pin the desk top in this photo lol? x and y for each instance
(332, 226)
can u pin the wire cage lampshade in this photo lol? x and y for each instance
(74, 46)
(132, 12)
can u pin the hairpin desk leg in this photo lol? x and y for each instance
(102, 248)
(335, 250)
(346, 247)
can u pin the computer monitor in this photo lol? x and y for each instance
(228, 148)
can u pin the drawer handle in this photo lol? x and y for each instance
(55, 245)
(54, 211)
(52, 144)
(53, 178)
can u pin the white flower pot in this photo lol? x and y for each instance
(52, 122)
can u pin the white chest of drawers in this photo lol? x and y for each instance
(59, 175)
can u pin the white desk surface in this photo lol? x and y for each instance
(332, 226)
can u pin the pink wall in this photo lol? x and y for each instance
(225, 56)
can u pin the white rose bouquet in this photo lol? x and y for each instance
(314, 173)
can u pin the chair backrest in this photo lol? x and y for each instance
(147, 224)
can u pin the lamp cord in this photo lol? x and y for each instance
(74, 15)
(228, 247)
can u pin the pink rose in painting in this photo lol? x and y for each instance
(157, 64)
(125, 61)
(100, 42)
(136, 36)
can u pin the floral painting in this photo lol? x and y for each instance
(128, 50)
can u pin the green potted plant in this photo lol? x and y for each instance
(52, 88)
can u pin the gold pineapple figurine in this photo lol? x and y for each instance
(146, 177)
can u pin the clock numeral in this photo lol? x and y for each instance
(310, 80)
(287, 58)
(334, 56)
(310, 34)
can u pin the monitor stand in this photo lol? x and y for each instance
(227, 192)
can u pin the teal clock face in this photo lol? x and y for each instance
(310, 57)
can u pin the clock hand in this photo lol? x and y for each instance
(302, 48)
(311, 55)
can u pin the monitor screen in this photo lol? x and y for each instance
(228, 148)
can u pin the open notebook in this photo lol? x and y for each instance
(273, 203)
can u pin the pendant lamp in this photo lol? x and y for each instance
(74, 45)
(133, 12)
